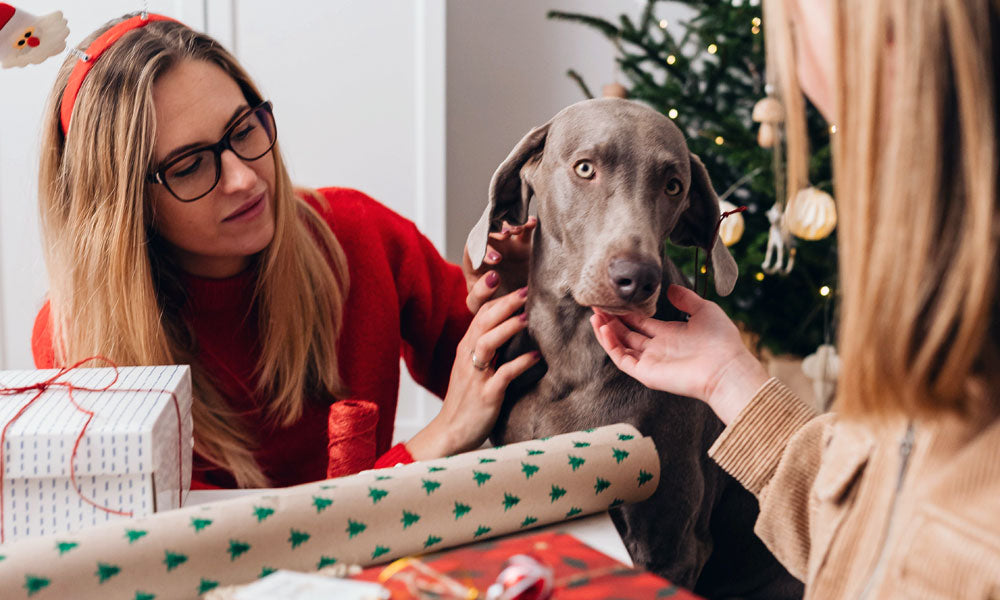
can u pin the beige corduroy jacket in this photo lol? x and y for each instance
(910, 509)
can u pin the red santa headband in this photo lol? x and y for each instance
(93, 52)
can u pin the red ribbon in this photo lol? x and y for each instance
(43, 386)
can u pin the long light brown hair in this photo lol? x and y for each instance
(113, 287)
(916, 177)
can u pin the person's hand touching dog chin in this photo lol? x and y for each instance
(702, 358)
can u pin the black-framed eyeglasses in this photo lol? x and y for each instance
(195, 173)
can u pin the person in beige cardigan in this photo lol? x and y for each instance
(896, 492)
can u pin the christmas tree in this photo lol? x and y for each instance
(707, 74)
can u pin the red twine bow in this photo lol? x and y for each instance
(43, 386)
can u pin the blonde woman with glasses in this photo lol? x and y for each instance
(173, 235)
(896, 492)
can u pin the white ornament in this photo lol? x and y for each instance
(26, 39)
(823, 368)
(812, 214)
(778, 243)
(731, 228)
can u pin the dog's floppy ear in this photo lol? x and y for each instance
(509, 195)
(698, 226)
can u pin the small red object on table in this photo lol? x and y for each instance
(579, 571)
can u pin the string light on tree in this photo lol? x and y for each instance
(719, 140)
(755, 26)
(672, 113)
(759, 276)
(663, 23)
(824, 291)
(712, 48)
(671, 59)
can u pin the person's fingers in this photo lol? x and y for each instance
(685, 299)
(482, 290)
(492, 256)
(509, 371)
(498, 310)
(631, 339)
(623, 358)
(488, 343)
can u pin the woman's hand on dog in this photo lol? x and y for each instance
(507, 255)
(702, 358)
(476, 389)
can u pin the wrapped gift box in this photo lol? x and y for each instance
(133, 459)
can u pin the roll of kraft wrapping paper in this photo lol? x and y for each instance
(368, 518)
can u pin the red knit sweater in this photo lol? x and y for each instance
(404, 299)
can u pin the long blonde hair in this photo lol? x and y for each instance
(113, 287)
(916, 177)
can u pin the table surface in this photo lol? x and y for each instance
(597, 530)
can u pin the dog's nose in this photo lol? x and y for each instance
(634, 280)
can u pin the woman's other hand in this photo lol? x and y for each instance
(476, 388)
(507, 255)
(702, 358)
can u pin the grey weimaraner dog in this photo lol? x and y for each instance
(612, 179)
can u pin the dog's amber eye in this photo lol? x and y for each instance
(585, 169)
(674, 187)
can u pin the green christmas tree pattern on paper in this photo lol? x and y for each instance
(383, 477)
(144, 596)
(200, 524)
(576, 462)
(484, 461)
(64, 547)
(265, 571)
(409, 519)
(619, 455)
(482, 530)
(573, 512)
(262, 512)
(461, 510)
(528, 521)
(321, 503)
(625, 437)
(377, 494)
(379, 551)
(581, 444)
(509, 501)
(173, 560)
(601, 485)
(105, 571)
(430, 485)
(206, 585)
(644, 477)
(435, 469)
(616, 502)
(34, 583)
(237, 549)
(535, 452)
(134, 535)
(431, 540)
(557, 493)
(355, 528)
(481, 477)
(529, 469)
(325, 561)
(297, 538)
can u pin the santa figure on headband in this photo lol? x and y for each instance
(26, 39)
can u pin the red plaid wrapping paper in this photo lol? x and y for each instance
(581, 573)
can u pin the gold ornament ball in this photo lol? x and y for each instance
(614, 90)
(812, 214)
(731, 229)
